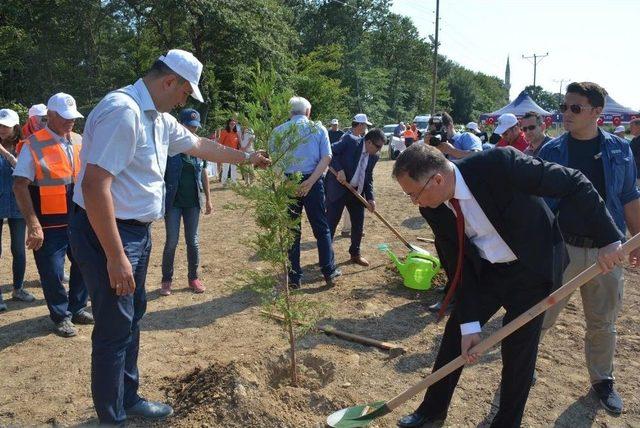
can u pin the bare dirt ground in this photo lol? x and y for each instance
(221, 364)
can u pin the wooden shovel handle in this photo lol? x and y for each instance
(562, 292)
(366, 204)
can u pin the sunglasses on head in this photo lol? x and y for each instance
(575, 108)
(529, 128)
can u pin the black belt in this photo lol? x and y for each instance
(579, 241)
(130, 222)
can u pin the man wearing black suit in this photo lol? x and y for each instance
(512, 255)
(354, 160)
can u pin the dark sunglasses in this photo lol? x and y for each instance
(529, 128)
(575, 108)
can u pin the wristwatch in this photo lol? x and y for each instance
(247, 157)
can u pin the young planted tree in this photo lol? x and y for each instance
(268, 198)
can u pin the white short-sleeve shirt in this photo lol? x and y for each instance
(126, 135)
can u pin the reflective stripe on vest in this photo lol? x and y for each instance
(53, 171)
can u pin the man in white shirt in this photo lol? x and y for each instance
(482, 210)
(127, 138)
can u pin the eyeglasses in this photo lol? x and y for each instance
(529, 128)
(575, 108)
(417, 196)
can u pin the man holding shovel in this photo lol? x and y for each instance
(482, 209)
(354, 162)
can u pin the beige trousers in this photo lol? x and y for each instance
(601, 301)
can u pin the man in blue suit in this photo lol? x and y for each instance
(354, 159)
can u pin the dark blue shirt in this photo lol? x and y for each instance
(8, 204)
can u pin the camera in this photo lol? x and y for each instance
(437, 132)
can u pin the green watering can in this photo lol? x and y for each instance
(418, 269)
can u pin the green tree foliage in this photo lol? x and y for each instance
(268, 199)
(544, 99)
(345, 56)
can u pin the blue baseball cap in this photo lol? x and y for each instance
(190, 117)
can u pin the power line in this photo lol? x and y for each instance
(536, 60)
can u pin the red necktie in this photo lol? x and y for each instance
(456, 279)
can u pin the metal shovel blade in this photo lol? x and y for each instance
(357, 416)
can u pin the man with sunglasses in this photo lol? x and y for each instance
(354, 161)
(482, 210)
(533, 127)
(608, 162)
(510, 132)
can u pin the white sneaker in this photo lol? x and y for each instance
(23, 295)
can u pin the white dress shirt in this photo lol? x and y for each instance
(480, 232)
(128, 137)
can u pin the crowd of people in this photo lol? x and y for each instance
(92, 199)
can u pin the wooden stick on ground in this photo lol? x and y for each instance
(388, 346)
(429, 240)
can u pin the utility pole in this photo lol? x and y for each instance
(536, 59)
(435, 62)
(561, 81)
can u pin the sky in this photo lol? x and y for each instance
(586, 40)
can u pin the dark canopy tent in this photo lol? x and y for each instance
(613, 112)
(521, 105)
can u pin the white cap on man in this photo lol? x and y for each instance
(64, 105)
(505, 122)
(619, 129)
(9, 118)
(335, 122)
(38, 110)
(473, 126)
(186, 66)
(361, 118)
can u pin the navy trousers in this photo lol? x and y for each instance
(356, 214)
(314, 206)
(50, 262)
(116, 334)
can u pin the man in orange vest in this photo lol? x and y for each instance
(43, 184)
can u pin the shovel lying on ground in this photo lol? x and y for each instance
(362, 415)
(382, 219)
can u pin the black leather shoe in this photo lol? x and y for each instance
(149, 410)
(332, 279)
(416, 420)
(608, 396)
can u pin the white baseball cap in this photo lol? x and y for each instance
(361, 118)
(334, 122)
(187, 66)
(9, 118)
(64, 105)
(619, 129)
(473, 126)
(38, 110)
(505, 122)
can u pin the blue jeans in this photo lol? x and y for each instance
(50, 262)
(116, 333)
(314, 206)
(356, 214)
(17, 230)
(191, 218)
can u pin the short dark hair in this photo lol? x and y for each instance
(160, 69)
(535, 115)
(595, 93)
(446, 119)
(375, 135)
(635, 122)
(419, 161)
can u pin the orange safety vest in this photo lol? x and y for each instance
(55, 174)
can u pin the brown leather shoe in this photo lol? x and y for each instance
(359, 260)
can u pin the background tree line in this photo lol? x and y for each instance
(344, 56)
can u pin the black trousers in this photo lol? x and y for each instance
(515, 288)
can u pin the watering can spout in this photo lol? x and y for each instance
(397, 261)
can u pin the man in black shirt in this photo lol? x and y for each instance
(634, 128)
(606, 161)
(334, 132)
